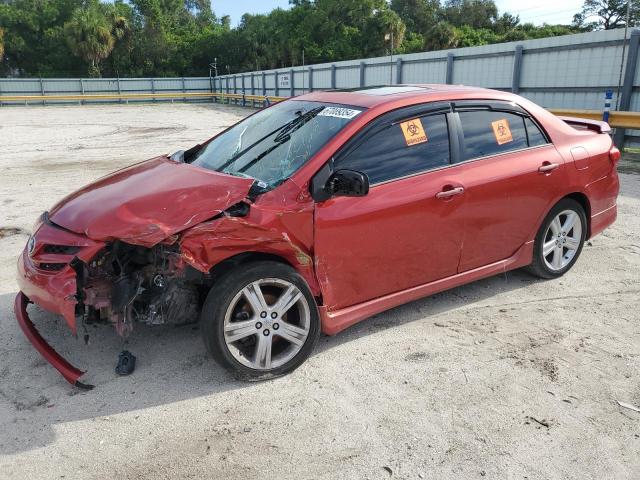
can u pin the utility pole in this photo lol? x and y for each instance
(624, 48)
(389, 36)
(213, 66)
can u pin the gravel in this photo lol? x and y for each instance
(509, 377)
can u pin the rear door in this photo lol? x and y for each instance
(404, 232)
(511, 173)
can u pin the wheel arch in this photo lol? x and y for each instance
(583, 200)
(577, 196)
(242, 259)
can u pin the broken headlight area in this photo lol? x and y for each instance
(125, 284)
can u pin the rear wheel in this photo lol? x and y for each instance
(261, 321)
(560, 239)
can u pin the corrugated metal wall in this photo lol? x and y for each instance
(572, 71)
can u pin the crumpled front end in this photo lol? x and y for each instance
(88, 281)
(45, 272)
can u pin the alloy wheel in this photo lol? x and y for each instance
(562, 240)
(267, 323)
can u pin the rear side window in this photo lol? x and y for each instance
(534, 134)
(489, 133)
(401, 149)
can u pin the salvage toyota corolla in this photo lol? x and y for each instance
(318, 212)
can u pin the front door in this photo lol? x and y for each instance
(406, 231)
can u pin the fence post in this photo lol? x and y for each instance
(449, 77)
(119, 89)
(264, 84)
(42, 91)
(82, 90)
(253, 86)
(517, 69)
(235, 88)
(333, 76)
(627, 86)
(275, 79)
(362, 67)
(310, 78)
(399, 71)
(291, 87)
(153, 89)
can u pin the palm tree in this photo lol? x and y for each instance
(1, 44)
(89, 35)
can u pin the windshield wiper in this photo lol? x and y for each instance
(285, 129)
(284, 136)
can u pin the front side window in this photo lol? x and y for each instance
(274, 143)
(401, 149)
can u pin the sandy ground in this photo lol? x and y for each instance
(506, 378)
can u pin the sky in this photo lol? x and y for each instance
(538, 12)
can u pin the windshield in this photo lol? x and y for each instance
(274, 143)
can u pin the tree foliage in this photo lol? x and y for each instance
(182, 37)
(91, 35)
(607, 14)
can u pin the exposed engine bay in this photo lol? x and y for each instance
(126, 283)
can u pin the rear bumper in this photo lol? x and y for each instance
(68, 371)
(602, 220)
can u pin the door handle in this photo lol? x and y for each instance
(450, 193)
(548, 167)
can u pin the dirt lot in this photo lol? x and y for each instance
(507, 378)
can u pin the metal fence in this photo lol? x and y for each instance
(568, 72)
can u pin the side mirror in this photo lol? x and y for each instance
(347, 183)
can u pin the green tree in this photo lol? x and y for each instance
(474, 13)
(607, 14)
(418, 15)
(34, 41)
(90, 36)
(1, 44)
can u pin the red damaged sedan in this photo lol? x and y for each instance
(318, 212)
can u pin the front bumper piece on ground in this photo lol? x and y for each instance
(68, 371)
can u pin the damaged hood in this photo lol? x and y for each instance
(145, 203)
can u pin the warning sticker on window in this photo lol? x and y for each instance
(413, 132)
(339, 112)
(502, 131)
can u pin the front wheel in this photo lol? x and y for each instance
(260, 321)
(560, 239)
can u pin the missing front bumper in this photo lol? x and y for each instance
(70, 373)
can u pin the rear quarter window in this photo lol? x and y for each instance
(534, 134)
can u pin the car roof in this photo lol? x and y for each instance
(368, 97)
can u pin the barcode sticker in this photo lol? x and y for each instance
(339, 112)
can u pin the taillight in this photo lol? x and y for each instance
(614, 155)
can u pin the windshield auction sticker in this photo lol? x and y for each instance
(413, 132)
(339, 112)
(502, 131)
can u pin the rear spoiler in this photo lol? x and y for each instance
(587, 124)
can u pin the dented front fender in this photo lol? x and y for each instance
(285, 233)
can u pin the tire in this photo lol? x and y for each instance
(562, 245)
(260, 320)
